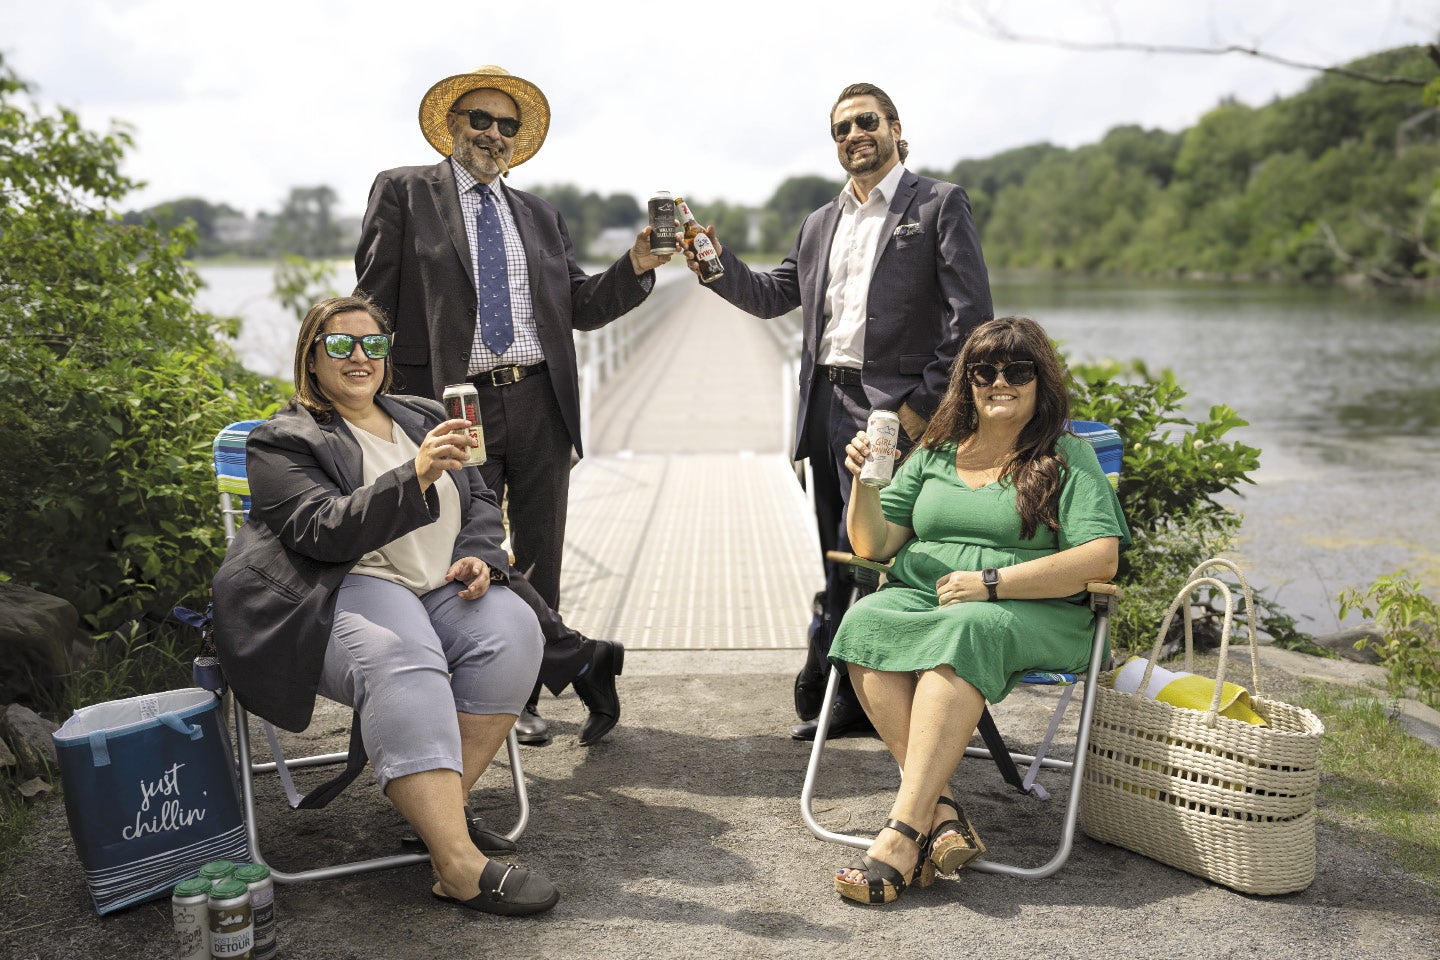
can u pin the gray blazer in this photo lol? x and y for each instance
(311, 519)
(929, 289)
(414, 260)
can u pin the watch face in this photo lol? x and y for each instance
(990, 575)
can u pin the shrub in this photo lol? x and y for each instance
(112, 383)
(1409, 625)
(1173, 470)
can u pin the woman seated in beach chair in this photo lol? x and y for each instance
(996, 521)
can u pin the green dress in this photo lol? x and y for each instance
(902, 627)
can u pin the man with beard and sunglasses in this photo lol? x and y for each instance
(890, 281)
(481, 284)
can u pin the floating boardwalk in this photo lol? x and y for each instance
(688, 528)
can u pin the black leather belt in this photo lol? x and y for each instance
(504, 376)
(848, 376)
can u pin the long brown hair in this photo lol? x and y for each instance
(1033, 467)
(308, 392)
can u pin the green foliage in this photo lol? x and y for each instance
(300, 283)
(1409, 625)
(1173, 470)
(112, 383)
(1337, 180)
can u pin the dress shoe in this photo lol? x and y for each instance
(597, 691)
(531, 728)
(845, 720)
(809, 694)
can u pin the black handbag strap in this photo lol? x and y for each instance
(321, 795)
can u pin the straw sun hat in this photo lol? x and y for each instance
(534, 109)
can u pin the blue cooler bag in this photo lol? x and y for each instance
(149, 792)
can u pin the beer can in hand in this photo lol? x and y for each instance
(883, 430)
(662, 223)
(462, 402)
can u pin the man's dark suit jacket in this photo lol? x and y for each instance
(414, 260)
(929, 289)
(311, 519)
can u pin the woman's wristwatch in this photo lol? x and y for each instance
(991, 578)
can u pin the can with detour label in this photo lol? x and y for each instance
(462, 402)
(883, 429)
(232, 925)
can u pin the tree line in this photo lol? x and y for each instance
(1338, 180)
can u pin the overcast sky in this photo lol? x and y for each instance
(715, 98)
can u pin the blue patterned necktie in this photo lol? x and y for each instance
(497, 329)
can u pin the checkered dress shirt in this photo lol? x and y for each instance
(526, 348)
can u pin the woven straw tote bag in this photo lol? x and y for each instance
(1220, 798)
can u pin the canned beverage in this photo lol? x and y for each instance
(189, 906)
(462, 402)
(662, 223)
(216, 870)
(262, 907)
(232, 925)
(883, 429)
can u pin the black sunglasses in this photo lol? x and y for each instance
(376, 346)
(1017, 373)
(869, 122)
(480, 121)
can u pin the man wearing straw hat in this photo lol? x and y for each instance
(481, 283)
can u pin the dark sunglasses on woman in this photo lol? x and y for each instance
(376, 346)
(1017, 373)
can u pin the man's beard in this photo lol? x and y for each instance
(884, 150)
(477, 160)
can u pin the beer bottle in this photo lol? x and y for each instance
(706, 258)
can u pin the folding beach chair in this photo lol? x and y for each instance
(1103, 596)
(229, 454)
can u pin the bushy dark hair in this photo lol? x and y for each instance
(1034, 466)
(887, 105)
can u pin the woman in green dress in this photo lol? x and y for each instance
(996, 521)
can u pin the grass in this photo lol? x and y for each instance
(1375, 777)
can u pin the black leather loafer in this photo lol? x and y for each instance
(845, 720)
(597, 691)
(509, 891)
(485, 839)
(531, 729)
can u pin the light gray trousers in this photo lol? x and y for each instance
(409, 664)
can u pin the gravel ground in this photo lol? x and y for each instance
(680, 836)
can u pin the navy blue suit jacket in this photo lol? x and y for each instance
(929, 289)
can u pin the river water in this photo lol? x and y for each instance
(1341, 390)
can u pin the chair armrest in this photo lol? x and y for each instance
(1106, 588)
(854, 560)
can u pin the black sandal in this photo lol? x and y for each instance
(948, 854)
(883, 883)
(509, 891)
(485, 839)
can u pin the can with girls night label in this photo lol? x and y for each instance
(662, 223)
(462, 402)
(262, 906)
(883, 430)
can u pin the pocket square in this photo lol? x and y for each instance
(908, 230)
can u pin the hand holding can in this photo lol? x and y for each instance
(883, 431)
(462, 402)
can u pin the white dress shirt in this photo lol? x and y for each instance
(858, 238)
